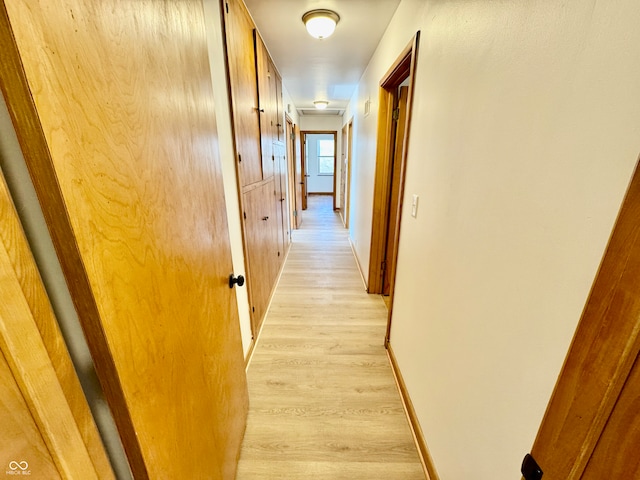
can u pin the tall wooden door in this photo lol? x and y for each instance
(343, 175)
(114, 111)
(47, 430)
(281, 197)
(244, 100)
(591, 429)
(298, 174)
(393, 222)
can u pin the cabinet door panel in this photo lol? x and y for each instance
(244, 95)
(265, 96)
(262, 247)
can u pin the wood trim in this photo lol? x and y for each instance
(304, 134)
(355, 255)
(381, 190)
(403, 168)
(416, 429)
(349, 165)
(403, 67)
(36, 354)
(22, 110)
(601, 355)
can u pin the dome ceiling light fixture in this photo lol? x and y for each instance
(321, 104)
(320, 23)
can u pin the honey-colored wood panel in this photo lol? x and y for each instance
(281, 197)
(280, 125)
(266, 109)
(131, 188)
(38, 321)
(603, 351)
(22, 448)
(616, 454)
(262, 248)
(395, 202)
(244, 94)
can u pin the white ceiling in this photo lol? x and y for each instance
(327, 69)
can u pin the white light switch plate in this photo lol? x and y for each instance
(414, 206)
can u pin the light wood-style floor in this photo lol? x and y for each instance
(324, 404)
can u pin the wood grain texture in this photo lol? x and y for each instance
(603, 351)
(616, 454)
(68, 427)
(123, 94)
(20, 439)
(239, 40)
(266, 105)
(324, 403)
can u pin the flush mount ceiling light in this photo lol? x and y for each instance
(321, 104)
(320, 23)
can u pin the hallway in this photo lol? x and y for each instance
(323, 400)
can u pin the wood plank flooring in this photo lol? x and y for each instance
(324, 404)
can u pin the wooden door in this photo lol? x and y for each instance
(261, 241)
(303, 169)
(244, 95)
(120, 140)
(343, 174)
(266, 105)
(348, 182)
(47, 428)
(281, 198)
(591, 429)
(299, 176)
(393, 222)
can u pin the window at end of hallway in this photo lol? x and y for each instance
(325, 157)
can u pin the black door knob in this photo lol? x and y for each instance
(233, 280)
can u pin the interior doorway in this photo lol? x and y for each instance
(319, 152)
(394, 118)
(345, 172)
(295, 173)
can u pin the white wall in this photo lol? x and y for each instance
(317, 183)
(526, 129)
(225, 142)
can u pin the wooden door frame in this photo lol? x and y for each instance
(291, 170)
(304, 134)
(603, 350)
(403, 68)
(347, 204)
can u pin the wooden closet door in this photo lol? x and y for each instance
(121, 143)
(262, 247)
(244, 94)
(267, 106)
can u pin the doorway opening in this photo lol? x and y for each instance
(394, 118)
(345, 172)
(319, 164)
(295, 174)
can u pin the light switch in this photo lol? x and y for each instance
(414, 206)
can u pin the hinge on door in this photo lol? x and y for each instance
(383, 267)
(273, 158)
(292, 136)
(245, 215)
(295, 213)
(239, 158)
(226, 4)
(396, 114)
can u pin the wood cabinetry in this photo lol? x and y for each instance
(258, 120)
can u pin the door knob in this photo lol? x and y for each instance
(265, 218)
(233, 280)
